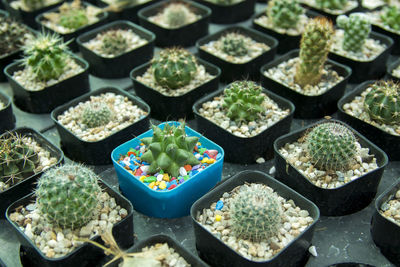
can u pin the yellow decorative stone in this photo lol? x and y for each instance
(142, 178)
(151, 185)
(166, 177)
(218, 217)
(162, 185)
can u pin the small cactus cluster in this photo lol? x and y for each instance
(391, 17)
(96, 114)
(356, 31)
(284, 13)
(33, 4)
(314, 48)
(68, 195)
(176, 15)
(234, 45)
(174, 68)
(114, 43)
(331, 146)
(17, 160)
(46, 55)
(331, 4)
(72, 15)
(382, 103)
(13, 35)
(243, 101)
(169, 149)
(256, 213)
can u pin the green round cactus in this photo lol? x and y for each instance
(33, 4)
(68, 195)
(96, 114)
(331, 146)
(314, 48)
(13, 35)
(114, 43)
(169, 149)
(243, 101)
(174, 68)
(255, 213)
(73, 18)
(331, 4)
(356, 30)
(382, 103)
(176, 15)
(284, 13)
(391, 17)
(234, 44)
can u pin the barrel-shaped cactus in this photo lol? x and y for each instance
(96, 114)
(284, 13)
(356, 31)
(391, 17)
(234, 44)
(73, 19)
(331, 4)
(176, 15)
(114, 43)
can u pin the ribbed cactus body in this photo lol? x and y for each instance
(383, 102)
(234, 44)
(331, 4)
(13, 35)
(331, 146)
(33, 4)
(68, 195)
(314, 48)
(243, 101)
(176, 15)
(391, 17)
(356, 31)
(284, 13)
(96, 114)
(169, 149)
(114, 43)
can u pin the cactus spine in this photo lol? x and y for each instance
(356, 30)
(314, 48)
(68, 195)
(12, 35)
(331, 4)
(96, 114)
(234, 45)
(176, 15)
(391, 17)
(169, 149)
(114, 43)
(383, 102)
(284, 13)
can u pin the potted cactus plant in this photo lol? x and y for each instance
(7, 118)
(331, 8)
(169, 164)
(244, 119)
(238, 51)
(176, 23)
(47, 76)
(242, 221)
(373, 109)
(172, 91)
(332, 165)
(69, 199)
(113, 50)
(306, 77)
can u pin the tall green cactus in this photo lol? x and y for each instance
(391, 17)
(284, 13)
(331, 4)
(356, 31)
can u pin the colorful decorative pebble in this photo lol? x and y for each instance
(163, 181)
(220, 205)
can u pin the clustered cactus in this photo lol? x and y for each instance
(243, 101)
(68, 195)
(255, 213)
(96, 114)
(169, 149)
(114, 43)
(284, 13)
(13, 35)
(314, 48)
(331, 146)
(234, 45)
(17, 160)
(382, 103)
(331, 4)
(356, 30)
(174, 68)
(46, 55)
(391, 17)
(176, 15)
(33, 4)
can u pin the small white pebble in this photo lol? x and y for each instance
(313, 251)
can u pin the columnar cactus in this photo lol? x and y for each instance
(33, 4)
(331, 146)
(383, 102)
(174, 68)
(46, 55)
(114, 43)
(176, 15)
(314, 48)
(96, 114)
(243, 101)
(356, 30)
(169, 149)
(68, 195)
(391, 17)
(234, 44)
(284, 13)
(13, 35)
(331, 4)
(255, 213)
(17, 160)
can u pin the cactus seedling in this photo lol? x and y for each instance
(96, 114)
(284, 13)
(176, 15)
(114, 43)
(234, 44)
(12, 35)
(331, 4)
(391, 17)
(73, 18)
(383, 102)
(356, 30)
(314, 48)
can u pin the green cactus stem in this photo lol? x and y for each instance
(234, 44)
(284, 13)
(96, 114)
(114, 43)
(391, 17)
(356, 31)
(176, 15)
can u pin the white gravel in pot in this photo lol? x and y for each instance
(284, 73)
(124, 113)
(19, 4)
(391, 209)
(294, 222)
(213, 111)
(396, 72)
(372, 4)
(265, 22)
(348, 6)
(356, 109)
(2, 104)
(161, 19)
(166, 255)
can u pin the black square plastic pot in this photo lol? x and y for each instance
(386, 233)
(186, 35)
(234, 71)
(97, 152)
(165, 107)
(103, 16)
(216, 253)
(392, 34)
(121, 65)
(390, 69)
(27, 185)
(7, 118)
(386, 141)
(45, 100)
(308, 107)
(339, 201)
(330, 15)
(228, 14)
(84, 255)
(365, 70)
(244, 149)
